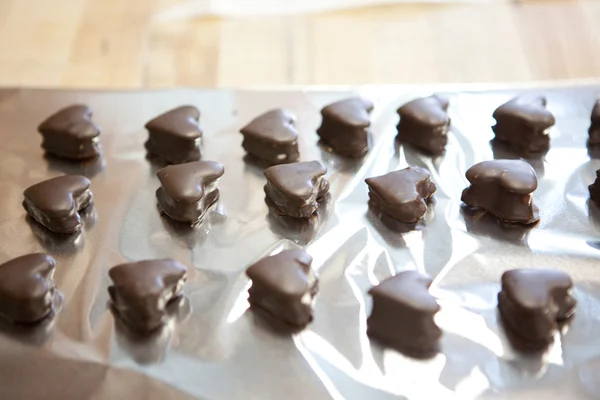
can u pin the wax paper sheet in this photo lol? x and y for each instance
(213, 346)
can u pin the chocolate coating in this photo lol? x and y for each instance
(284, 286)
(523, 123)
(188, 190)
(175, 136)
(533, 302)
(142, 290)
(70, 133)
(594, 131)
(402, 194)
(595, 189)
(424, 123)
(503, 188)
(272, 137)
(403, 314)
(55, 203)
(27, 288)
(346, 127)
(296, 189)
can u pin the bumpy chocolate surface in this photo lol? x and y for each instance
(70, 133)
(402, 194)
(522, 124)
(533, 302)
(272, 137)
(504, 188)
(424, 123)
(296, 189)
(55, 203)
(188, 190)
(403, 314)
(175, 136)
(594, 131)
(346, 127)
(284, 286)
(142, 290)
(27, 288)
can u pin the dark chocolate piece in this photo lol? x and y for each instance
(594, 131)
(503, 188)
(188, 190)
(346, 127)
(284, 286)
(296, 189)
(403, 314)
(402, 194)
(424, 123)
(56, 203)
(272, 137)
(175, 136)
(534, 302)
(523, 123)
(70, 133)
(27, 289)
(142, 290)
(595, 189)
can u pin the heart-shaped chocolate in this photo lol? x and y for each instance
(175, 136)
(284, 285)
(424, 123)
(296, 189)
(403, 314)
(272, 137)
(142, 290)
(70, 133)
(402, 194)
(188, 190)
(27, 288)
(345, 126)
(504, 188)
(55, 203)
(534, 301)
(522, 124)
(594, 131)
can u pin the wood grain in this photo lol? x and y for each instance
(132, 44)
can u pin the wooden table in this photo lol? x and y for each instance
(132, 44)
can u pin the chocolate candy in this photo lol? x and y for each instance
(523, 123)
(175, 137)
(296, 189)
(594, 130)
(403, 314)
(56, 203)
(345, 127)
(284, 286)
(503, 188)
(533, 303)
(188, 190)
(402, 194)
(142, 290)
(424, 123)
(595, 189)
(70, 133)
(272, 137)
(27, 289)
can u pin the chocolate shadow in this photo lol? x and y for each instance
(88, 167)
(196, 234)
(391, 229)
(480, 222)
(502, 151)
(299, 230)
(414, 156)
(36, 333)
(265, 320)
(255, 165)
(417, 354)
(55, 243)
(151, 347)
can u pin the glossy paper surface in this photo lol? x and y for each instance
(215, 348)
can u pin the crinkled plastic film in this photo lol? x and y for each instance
(214, 347)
